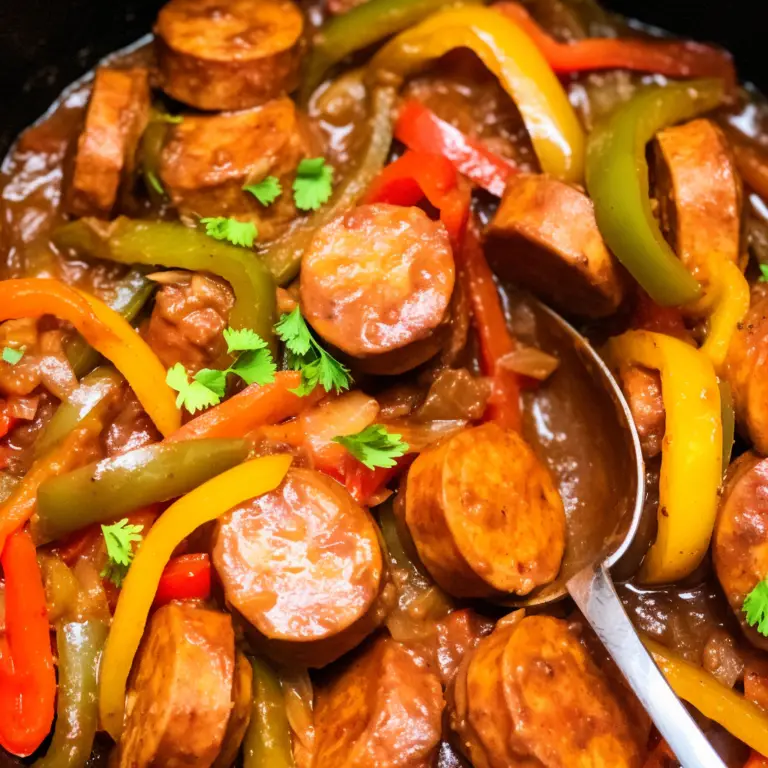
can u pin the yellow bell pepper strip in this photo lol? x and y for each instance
(743, 719)
(617, 181)
(691, 463)
(106, 331)
(514, 59)
(202, 505)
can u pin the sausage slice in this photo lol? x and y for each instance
(240, 716)
(484, 514)
(530, 694)
(179, 700)
(208, 159)
(377, 279)
(544, 236)
(303, 563)
(117, 114)
(232, 55)
(699, 193)
(740, 538)
(384, 710)
(642, 388)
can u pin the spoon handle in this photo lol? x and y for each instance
(593, 591)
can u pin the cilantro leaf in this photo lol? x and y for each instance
(243, 340)
(154, 182)
(241, 233)
(212, 379)
(313, 184)
(119, 539)
(12, 356)
(194, 395)
(307, 356)
(756, 608)
(255, 367)
(374, 446)
(763, 274)
(266, 191)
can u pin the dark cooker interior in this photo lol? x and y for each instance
(45, 44)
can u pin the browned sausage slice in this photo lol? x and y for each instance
(240, 716)
(740, 538)
(384, 710)
(302, 563)
(377, 279)
(642, 388)
(231, 55)
(484, 514)
(208, 159)
(544, 236)
(531, 695)
(746, 369)
(699, 193)
(179, 700)
(106, 150)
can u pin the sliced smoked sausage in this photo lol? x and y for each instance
(377, 279)
(302, 564)
(544, 236)
(233, 55)
(240, 716)
(384, 710)
(699, 193)
(207, 160)
(484, 514)
(531, 695)
(740, 538)
(179, 700)
(117, 114)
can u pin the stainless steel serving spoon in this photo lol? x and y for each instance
(603, 527)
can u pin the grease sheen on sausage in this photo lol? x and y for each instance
(179, 700)
(384, 710)
(531, 695)
(377, 279)
(301, 563)
(231, 55)
(484, 514)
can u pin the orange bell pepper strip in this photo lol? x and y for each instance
(106, 331)
(205, 503)
(671, 58)
(27, 677)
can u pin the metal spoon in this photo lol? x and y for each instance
(605, 515)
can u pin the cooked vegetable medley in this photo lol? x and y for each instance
(294, 462)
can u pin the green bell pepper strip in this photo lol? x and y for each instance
(173, 245)
(283, 256)
(357, 29)
(131, 294)
(113, 487)
(77, 712)
(267, 742)
(93, 388)
(617, 181)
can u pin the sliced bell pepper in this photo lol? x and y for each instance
(187, 577)
(617, 181)
(756, 760)
(676, 59)
(423, 131)
(202, 505)
(555, 131)
(79, 646)
(105, 331)
(743, 719)
(7, 422)
(168, 244)
(491, 325)
(283, 256)
(112, 488)
(417, 175)
(20, 505)
(692, 449)
(27, 676)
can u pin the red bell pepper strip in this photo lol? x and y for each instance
(187, 577)
(363, 483)
(495, 339)
(419, 175)
(650, 316)
(423, 131)
(7, 422)
(27, 677)
(671, 58)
